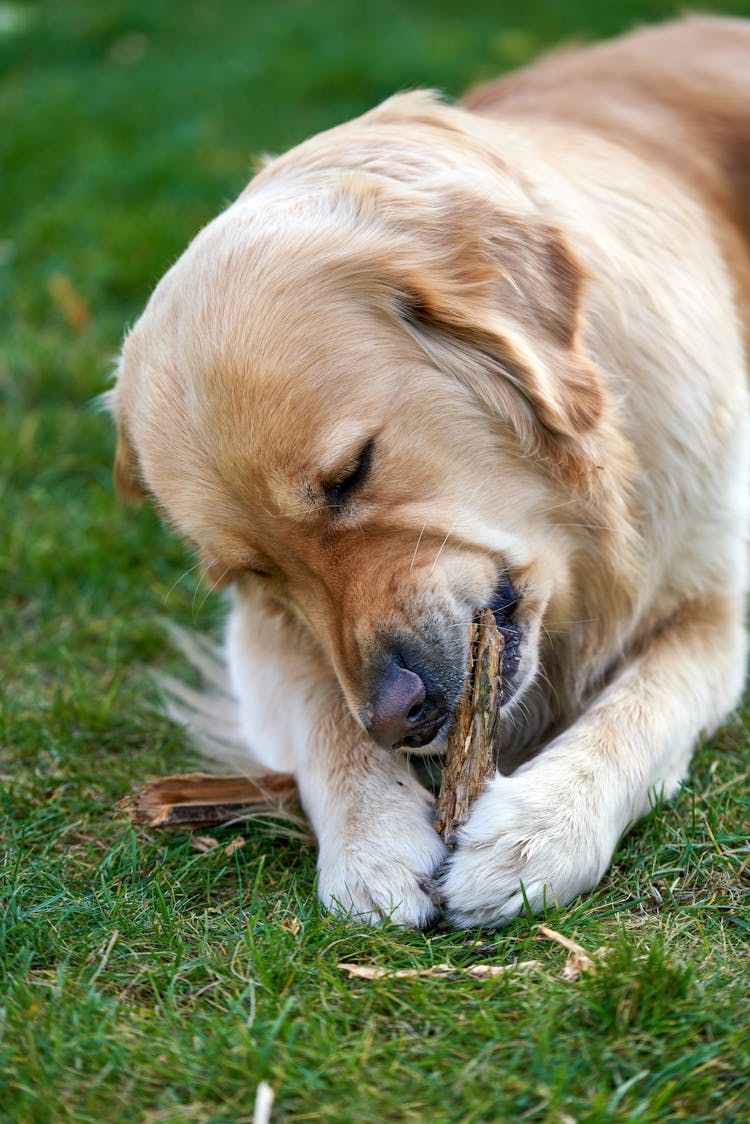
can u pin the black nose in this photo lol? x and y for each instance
(402, 712)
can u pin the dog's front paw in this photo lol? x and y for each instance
(380, 864)
(537, 838)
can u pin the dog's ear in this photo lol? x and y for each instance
(126, 469)
(500, 309)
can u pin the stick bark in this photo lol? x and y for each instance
(199, 799)
(470, 755)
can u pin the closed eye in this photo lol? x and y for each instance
(340, 490)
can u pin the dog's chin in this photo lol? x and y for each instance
(433, 748)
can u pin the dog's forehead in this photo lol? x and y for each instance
(258, 368)
(242, 288)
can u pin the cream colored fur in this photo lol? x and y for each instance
(538, 314)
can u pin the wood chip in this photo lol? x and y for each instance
(199, 799)
(559, 938)
(579, 960)
(470, 755)
(438, 971)
(234, 845)
(576, 964)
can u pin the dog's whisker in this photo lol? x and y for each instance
(207, 594)
(469, 500)
(436, 559)
(416, 548)
(183, 575)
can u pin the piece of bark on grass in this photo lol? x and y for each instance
(199, 799)
(470, 755)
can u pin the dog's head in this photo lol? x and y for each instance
(361, 387)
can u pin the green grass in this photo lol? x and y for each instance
(142, 979)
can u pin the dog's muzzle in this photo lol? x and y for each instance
(415, 689)
(403, 712)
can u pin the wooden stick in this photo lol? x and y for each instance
(470, 756)
(200, 799)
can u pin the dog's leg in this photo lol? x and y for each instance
(372, 819)
(547, 833)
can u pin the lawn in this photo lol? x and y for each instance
(144, 979)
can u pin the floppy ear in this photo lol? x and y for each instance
(500, 310)
(126, 472)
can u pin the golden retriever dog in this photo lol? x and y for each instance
(445, 357)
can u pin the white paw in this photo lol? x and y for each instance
(537, 838)
(380, 863)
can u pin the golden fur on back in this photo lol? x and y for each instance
(441, 357)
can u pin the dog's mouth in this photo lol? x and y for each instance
(422, 736)
(504, 604)
(415, 688)
(436, 730)
(436, 719)
(512, 637)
